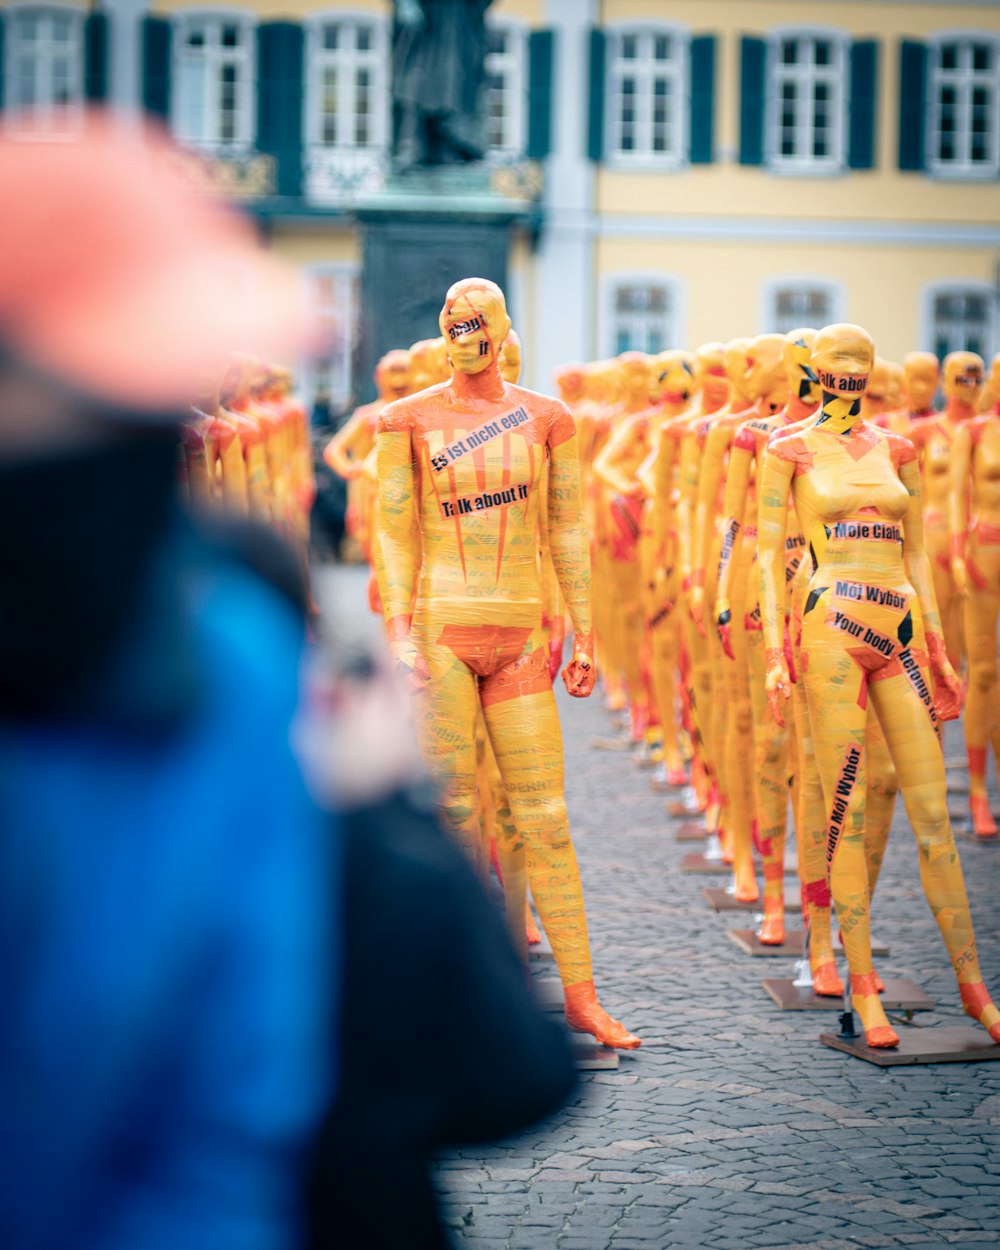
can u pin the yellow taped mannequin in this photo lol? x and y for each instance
(870, 631)
(458, 470)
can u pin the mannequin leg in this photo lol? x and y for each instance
(981, 609)
(771, 770)
(739, 745)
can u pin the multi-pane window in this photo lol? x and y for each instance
(347, 84)
(964, 103)
(215, 81)
(334, 297)
(961, 321)
(647, 94)
(806, 102)
(792, 305)
(642, 318)
(504, 90)
(44, 62)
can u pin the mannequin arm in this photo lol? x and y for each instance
(646, 472)
(772, 518)
(958, 505)
(346, 451)
(567, 533)
(716, 446)
(733, 512)
(397, 558)
(607, 463)
(687, 478)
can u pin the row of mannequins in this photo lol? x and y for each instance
(245, 448)
(743, 519)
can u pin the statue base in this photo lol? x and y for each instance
(922, 1045)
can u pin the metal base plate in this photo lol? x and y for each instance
(750, 944)
(541, 953)
(696, 862)
(721, 900)
(938, 1045)
(899, 995)
(591, 1056)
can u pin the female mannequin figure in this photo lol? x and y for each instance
(934, 438)
(870, 632)
(459, 506)
(974, 512)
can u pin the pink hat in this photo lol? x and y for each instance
(121, 279)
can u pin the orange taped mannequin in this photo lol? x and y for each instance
(922, 377)
(990, 401)
(974, 517)
(780, 369)
(458, 469)
(214, 456)
(236, 406)
(352, 443)
(933, 438)
(870, 631)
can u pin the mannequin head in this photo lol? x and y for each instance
(569, 381)
(474, 324)
(843, 357)
(637, 377)
(766, 382)
(710, 375)
(896, 388)
(422, 369)
(991, 391)
(876, 398)
(392, 375)
(803, 384)
(922, 375)
(674, 372)
(510, 357)
(963, 377)
(736, 366)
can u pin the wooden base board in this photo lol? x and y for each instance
(749, 943)
(938, 1045)
(541, 953)
(957, 783)
(721, 900)
(677, 810)
(691, 831)
(591, 1056)
(611, 744)
(899, 995)
(696, 862)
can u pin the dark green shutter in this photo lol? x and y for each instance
(702, 79)
(912, 103)
(280, 55)
(157, 38)
(1, 59)
(863, 104)
(753, 63)
(541, 46)
(95, 56)
(595, 115)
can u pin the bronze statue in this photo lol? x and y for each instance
(438, 53)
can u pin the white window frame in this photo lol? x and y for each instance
(644, 71)
(965, 80)
(837, 78)
(773, 287)
(345, 309)
(28, 119)
(675, 321)
(215, 60)
(376, 61)
(510, 66)
(962, 286)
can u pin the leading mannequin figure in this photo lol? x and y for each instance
(460, 505)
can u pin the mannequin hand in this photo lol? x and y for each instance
(406, 659)
(722, 624)
(580, 674)
(790, 655)
(960, 575)
(947, 687)
(374, 598)
(777, 684)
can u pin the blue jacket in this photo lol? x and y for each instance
(165, 945)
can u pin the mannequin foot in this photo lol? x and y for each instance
(772, 929)
(983, 824)
(879, 1033)
(586, 1015)
(746, 889)
(826, 980)
(978, 1004)
(531, 930)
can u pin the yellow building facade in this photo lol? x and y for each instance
(676, 170)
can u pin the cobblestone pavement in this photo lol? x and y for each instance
(733, 1127)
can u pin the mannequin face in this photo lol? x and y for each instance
(796, 354)
(392, 374)
(922, 375)
(675, 371)
(843, 358)
(421, 364)
(963, 377)
(877, 393)
(896, 390)
(765, 381)
(710, 372)
(510, 358)
(636, 375)
(735, 363)
(570, 381)
(474, 324)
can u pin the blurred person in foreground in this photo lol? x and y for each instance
(165, 945)
(441, 1043)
